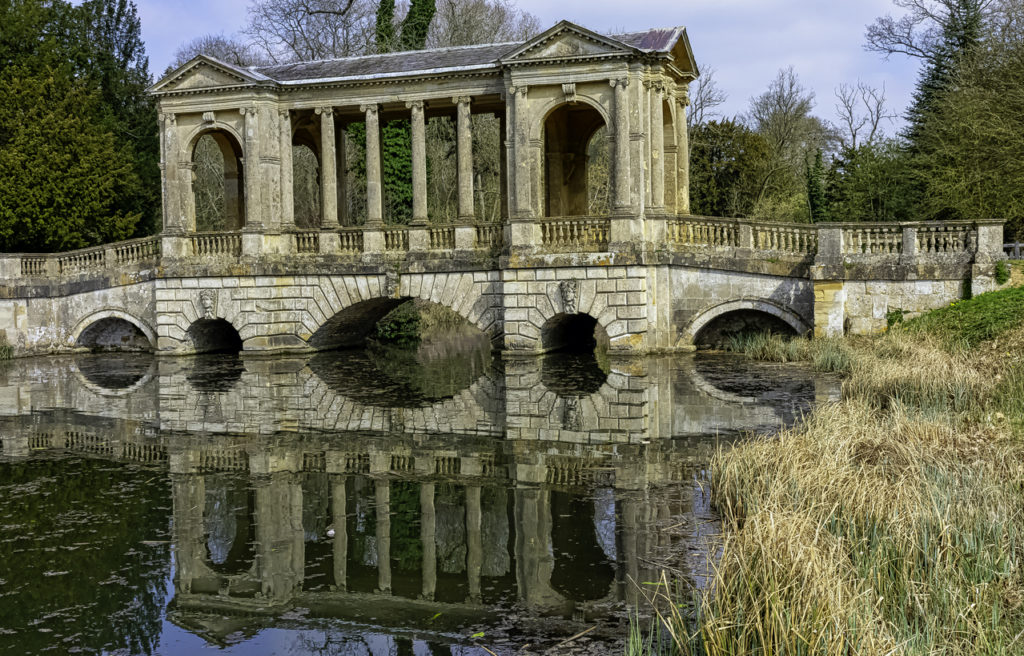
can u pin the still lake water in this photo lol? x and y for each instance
(439, 501)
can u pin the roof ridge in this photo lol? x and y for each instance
(389, 54)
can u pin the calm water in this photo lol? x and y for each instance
(367, 502)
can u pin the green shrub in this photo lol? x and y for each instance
(401, 326)
(1002, 274)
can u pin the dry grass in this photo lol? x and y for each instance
(891, 522)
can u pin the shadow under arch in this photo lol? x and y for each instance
(350, 327)
(572, 333)
(714, 326)
(113, 330)
(213, 336)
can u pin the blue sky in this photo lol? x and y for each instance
(746, 41)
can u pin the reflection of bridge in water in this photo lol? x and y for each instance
(515, 491)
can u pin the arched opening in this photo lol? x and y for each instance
(569, 133)
(719, 331)
(114, 334)
(306, 186)
(214, 336)
(351, 326)
(217, 183)
(572, 333)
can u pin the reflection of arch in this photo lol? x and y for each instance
(704, 318)
(117, 376)
(568, 129)
(229, 524)
(572, 374)
(213, 336)
(228, 145)
(581, 569)
(90, 322)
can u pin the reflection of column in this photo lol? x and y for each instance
(188, 503)
(629, 523)
(419, 163)
(474, 547)
(534, 560)
(621, 195)
(464, 136)
(328, 170)
(383, 489)
(374, 190)
(428, 521)
(279, 535)
(287, 199)
(657, 146)
(339, 503)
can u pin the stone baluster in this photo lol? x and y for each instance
(328, 169)
(464, 136)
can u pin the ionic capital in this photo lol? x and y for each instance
(368, 109)
(168, 118)
(521, 90)
(683, 97)
(460, 100)
(285, 114)
(414, 104)
(324, 111)
(619, 82)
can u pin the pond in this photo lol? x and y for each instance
(436, 501)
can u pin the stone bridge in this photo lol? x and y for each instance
(549, 270)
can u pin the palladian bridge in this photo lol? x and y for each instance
(649, 274)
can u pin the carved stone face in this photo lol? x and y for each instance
(208, 304)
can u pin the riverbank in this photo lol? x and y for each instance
(889, 522)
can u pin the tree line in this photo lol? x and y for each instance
(957, 156)
(79, 149)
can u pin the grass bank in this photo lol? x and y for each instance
(891, 522)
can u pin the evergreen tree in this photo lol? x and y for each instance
(816, 189)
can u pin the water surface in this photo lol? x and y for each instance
(438, 501)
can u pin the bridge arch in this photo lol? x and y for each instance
(213, 335)
(114, 330)
(752, 306)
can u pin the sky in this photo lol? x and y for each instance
(746, 42)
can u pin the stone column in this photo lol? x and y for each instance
(503, 164)
(383, 492)
(464, 132)
(657, 146)
(339, 503)
(374, 188)
(474, 546)
(428, 525)
(287, 190)
(328, 170)
(342, 184)
(419, 163)
(519, 165)
(251, 171)
(683, 156)
(621, 196)
(174, 222)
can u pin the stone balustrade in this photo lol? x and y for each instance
(96, 260)
(580, 234)
(702, 231)
(216, 243)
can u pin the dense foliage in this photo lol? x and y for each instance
(83, 170)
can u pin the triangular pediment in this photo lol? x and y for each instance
(205, 72)
(565, 41)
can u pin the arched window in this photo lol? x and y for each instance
(217, 183)
(572, 146)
